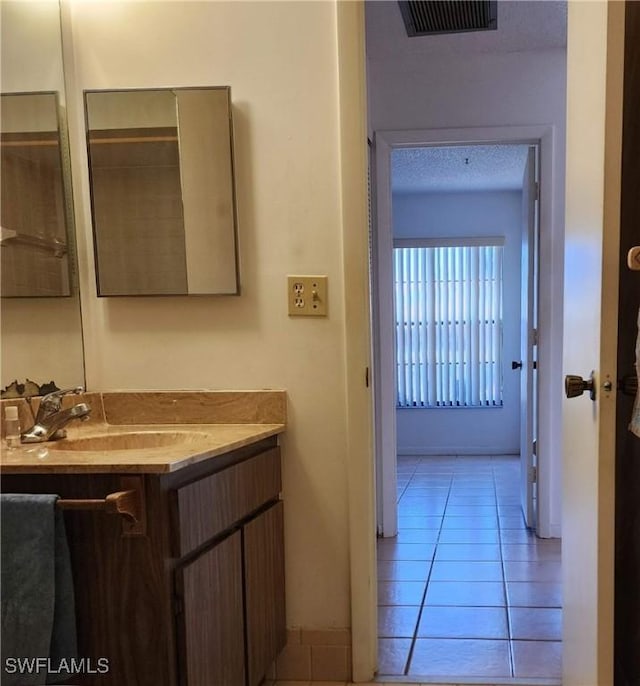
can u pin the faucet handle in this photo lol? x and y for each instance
(52, 402)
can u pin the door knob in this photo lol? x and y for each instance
(516, 365)
(576, 385)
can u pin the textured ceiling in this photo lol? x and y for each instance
(522, 25)
(458, 168)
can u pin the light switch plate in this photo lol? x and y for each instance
(307, 296)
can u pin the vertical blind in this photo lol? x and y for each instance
(448, 305)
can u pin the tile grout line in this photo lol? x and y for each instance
(407, 666)
(512, 664)
(398, 497)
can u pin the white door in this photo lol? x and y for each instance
(594, 99)
(528, 340)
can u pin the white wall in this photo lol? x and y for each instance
(481, 89)
(287, 145)
(492, 90)
(31, 52)
(473, 430)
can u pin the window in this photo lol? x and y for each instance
(448, 304)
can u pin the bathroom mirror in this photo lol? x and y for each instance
(41, 335)
(162, 191)
(33, 227)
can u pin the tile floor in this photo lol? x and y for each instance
(465, 590)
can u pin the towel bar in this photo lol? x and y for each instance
(127, 503)
(123, 502)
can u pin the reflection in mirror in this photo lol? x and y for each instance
(32, 207)
(162, 191)
(41, 337)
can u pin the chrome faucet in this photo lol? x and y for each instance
(51, 419)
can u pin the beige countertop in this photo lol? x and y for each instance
(187, 444)
(185, 427)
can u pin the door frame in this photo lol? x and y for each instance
(551, 256)
(529, 315)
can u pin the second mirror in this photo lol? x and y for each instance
(162, 191)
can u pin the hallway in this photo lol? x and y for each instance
(465, 590)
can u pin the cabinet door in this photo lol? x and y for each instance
(210, 626)
(263, 540)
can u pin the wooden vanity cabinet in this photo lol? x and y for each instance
(230, 600)
(199, 599)
(238, 582)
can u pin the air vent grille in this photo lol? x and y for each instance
(427, 17)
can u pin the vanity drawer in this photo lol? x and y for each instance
(209, 506)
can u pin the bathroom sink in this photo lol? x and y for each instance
(138, 440)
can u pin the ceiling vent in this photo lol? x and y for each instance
(428, 17)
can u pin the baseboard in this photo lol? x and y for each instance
(453, 450)
(314, 655)
(555, 531)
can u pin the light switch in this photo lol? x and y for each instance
(307, 296)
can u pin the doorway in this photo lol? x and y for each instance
(538, 354)
(465, 589)
(460, 253)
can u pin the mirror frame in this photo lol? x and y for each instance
(233, 199)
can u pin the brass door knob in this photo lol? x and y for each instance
(576, 385)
